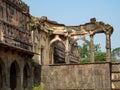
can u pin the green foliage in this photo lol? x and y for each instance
(100, 56)
(97, 47)
(84, 53)
(36, 88)
(40, 87)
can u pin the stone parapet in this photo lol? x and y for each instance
(19, 4)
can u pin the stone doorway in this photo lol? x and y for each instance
(0, 76)
(26, 76)
(37, 74)
(13, 76)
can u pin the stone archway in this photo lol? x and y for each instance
(14, 73)
(37, 74)
(26, 76)
(2, 74)
(1, 81)
(53, 52)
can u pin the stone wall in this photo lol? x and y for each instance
(115, 75)
(40, 40)
(15, 67)
(14, 26)
(76, 76)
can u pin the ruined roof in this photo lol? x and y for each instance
(91, 27)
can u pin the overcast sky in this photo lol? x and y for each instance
(76, 12)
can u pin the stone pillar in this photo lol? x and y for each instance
(20, 80)
(30, 83)
(91, 49)
(32, 75)
(108, 47)
(4, 80)
(30, 79)
(7, 87)
(19, 84)
(51, 55)
(67, 51)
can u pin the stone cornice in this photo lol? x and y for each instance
(92, 27)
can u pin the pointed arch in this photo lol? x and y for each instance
(1, 11)
(57, 52)
(53, 47)
(57, 38)
(2, 77)
(37, 74)
(14, 73)
(26, 75)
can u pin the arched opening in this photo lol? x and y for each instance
(1, 11)
(37, 73)
(1, 81)
(42, 56)
(100, 39)
(84, 48)
(74, 55)
(26, 75)
(13, 76)
(2, 74)
(99, 47)
(59, 52)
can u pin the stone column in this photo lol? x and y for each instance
(30, 84)
(20, 80)
(52, 56)
(19, 84)
(108, 47)
(67, 51)
(91, 49)
(7, 87)
(4, 82)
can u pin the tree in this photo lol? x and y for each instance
(116, 54)
(84, 53)
(100, 56)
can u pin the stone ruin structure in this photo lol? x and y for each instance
(27, 43)
(15, 46)
(62, 43)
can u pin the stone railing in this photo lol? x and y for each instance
(15, 36)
